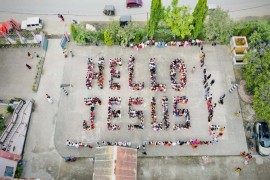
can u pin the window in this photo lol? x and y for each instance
(9, 171)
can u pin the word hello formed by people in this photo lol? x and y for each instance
(176, 65)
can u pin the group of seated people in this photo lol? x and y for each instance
(113, 113)
(133, 113)
(131, 84)
(190, 42)
(115, 73)
(165, 112)
(178, 64)
(155, 125)
(216, 131)
(98, 144)
(153, 77)
(91, 102)
(181, 112)
(161, 44)
(93, 75)
(193, 143)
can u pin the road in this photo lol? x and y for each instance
(92, 10)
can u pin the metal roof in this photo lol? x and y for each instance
(113, 162)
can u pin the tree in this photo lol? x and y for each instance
(113, 27)
(262, 100)
(219, 26)
(179, 19)
(254, 39)
(199, 14)
(73, 31)
(257, 76)
(156, 14)
(108, 38)
(127, 33)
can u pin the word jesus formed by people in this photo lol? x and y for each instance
(176, 65)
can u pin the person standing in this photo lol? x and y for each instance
(61, 17)
(212, 82)
(193, 69)
(49, 99)
(28, 66)
(30, 55)
(238, 170)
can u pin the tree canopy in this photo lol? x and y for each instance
(257, 76)
(199, 14)
(218, 26)
(156, 14)
(179, 19)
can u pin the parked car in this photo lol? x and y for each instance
(134, 3)
(263, 138)
(32, 23)
(109, 10)
(124, 20)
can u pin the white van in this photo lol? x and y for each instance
(32, 23)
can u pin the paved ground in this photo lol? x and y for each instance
(15, 74)
(72, 110)
(42, 159)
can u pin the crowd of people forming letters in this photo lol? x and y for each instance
(215, 131)
(131, 84)
(115, 73)
(93, 75)
(91, 102)
(133, 113)
(181, 112)
(180, 65)
(153, 77)
(113, 113)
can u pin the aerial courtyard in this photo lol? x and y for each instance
(73, 111)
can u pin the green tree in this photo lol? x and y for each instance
(10, 109)
(257, 76)
(73, 31)
(127, 33)
(108, 38)
(219, 26)
(156, 14)
(179, 19)
(113, 27)
(199, 14)
(262, 100)
(254, 39)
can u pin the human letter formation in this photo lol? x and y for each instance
(115, 73)
(181, 112)
(133, 114)
(93, 75)
(113, 113)
(91, 102)
(131, 84)
(177, 65)
(153, 77)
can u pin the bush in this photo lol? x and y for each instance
(18, 172)
(10, 109)
(73, 31)
(163, 34)
(140, 36)
(108, 38)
